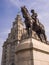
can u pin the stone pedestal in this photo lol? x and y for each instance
(32, 52)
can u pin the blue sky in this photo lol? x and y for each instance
(10, 8)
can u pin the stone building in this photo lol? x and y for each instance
(8, 55)
(23, 48)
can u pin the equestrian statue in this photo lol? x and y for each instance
(32, 22)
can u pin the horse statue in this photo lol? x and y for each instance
(33, 23)
(28, 18)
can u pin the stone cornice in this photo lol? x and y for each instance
(34, 44)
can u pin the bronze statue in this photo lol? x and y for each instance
(32, 22)
(28, 18)
(38, 27)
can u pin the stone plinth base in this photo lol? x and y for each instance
(32, 52)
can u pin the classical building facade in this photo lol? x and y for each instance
(8, 55)
(26, 45)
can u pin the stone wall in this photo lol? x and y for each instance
(32, 52)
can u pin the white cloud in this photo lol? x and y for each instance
(30, 3)
(15, 2)
(4, 35)
(4, 32)
(20, 3)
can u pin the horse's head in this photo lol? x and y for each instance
(24, 11)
